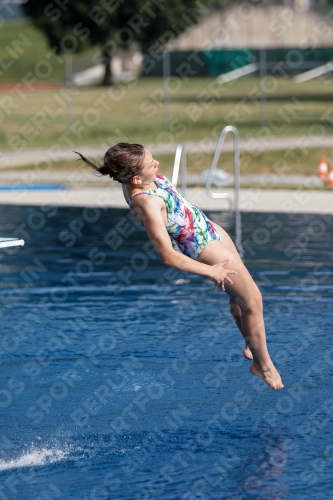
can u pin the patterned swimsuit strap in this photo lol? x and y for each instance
(138, 194)
(149, 191)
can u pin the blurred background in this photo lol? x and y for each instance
(122, 378)
(95, 74)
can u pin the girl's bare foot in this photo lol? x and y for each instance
(270, 376)
(247, 353)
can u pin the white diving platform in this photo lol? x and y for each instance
(11, 242)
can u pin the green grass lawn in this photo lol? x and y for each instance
(134, 111)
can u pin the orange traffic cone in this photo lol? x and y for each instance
(322, 169)
(330, 177)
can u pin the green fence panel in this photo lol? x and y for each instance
(216, 62)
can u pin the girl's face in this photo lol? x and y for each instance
(149, 169)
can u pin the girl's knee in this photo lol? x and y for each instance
(253, 301)
(256, 302)
(259, 300)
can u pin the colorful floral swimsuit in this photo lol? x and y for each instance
(187, 226)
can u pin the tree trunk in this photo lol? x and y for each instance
(106, 57)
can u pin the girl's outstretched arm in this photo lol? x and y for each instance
(151, 215)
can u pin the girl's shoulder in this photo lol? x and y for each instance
(143, 199)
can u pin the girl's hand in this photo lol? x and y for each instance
(220, 275)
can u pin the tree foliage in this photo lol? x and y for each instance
(72, 26)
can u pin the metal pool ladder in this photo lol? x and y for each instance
(180, 163)
(232, 201)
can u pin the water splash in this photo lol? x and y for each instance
(33, 458)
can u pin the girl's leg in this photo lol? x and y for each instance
(234, 306)
(237, 315)
(246, 294)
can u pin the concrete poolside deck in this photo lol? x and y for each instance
(299, 200)
(276, 193)
(81, 189)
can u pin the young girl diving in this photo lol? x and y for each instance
(206, 248)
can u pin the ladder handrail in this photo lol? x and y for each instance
(180, 161)
(219, 145)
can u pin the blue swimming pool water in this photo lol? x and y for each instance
(123, 379)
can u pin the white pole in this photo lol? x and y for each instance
(183, 172)
(69, 87)
(166, 84)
